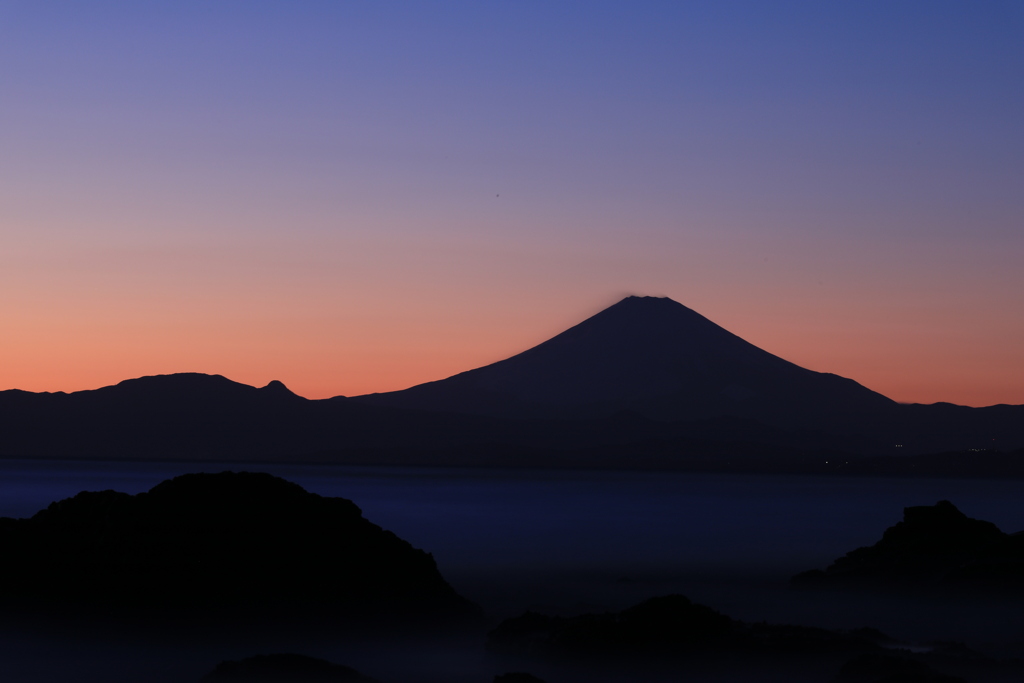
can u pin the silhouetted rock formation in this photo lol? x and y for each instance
(664, 634)
(665, 626)
(646, 383)
(284, 668)
(241, 544)
(933, 547)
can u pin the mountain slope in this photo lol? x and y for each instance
(650, 355)
(645, 383)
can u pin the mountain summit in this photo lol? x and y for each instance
(641, 382)
(648, 355)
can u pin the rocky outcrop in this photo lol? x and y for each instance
(245, 544)
(934, 547)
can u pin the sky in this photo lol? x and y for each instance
(353, 197)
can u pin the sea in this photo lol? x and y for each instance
(558, 542)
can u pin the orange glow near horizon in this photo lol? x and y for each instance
(355, 197)
(354, 316)
(357, 354)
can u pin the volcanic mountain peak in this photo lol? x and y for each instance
(648, 322)
(651, 355)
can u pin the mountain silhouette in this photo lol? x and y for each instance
(646, 383)
(209, 417)
(652, 356)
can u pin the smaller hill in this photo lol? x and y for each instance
(935, 547)
(247, 545)
(650, 640)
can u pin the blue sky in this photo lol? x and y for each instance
(361, 196)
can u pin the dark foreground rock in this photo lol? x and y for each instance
(247, 545)
(671, 635)
(284, 668)
(665, 626)
(934, 548)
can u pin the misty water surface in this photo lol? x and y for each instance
(571, 542)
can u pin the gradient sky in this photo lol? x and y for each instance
(353, 197)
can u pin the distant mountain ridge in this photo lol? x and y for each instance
(647, 383)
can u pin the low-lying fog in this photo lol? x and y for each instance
(554, 542)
